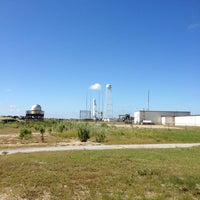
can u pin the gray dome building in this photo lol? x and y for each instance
(35, 113)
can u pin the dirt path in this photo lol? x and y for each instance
(97, 147)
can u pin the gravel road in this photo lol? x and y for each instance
(97, 147)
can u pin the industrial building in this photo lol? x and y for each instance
(157, 117)
(193, 120)
(35, 113)
(85, 114)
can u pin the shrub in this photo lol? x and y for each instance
(50, 130)
(83, 132)
(36, 128)
(99, 132)
(60, 128)
(100, 137)
(104, 125)
(25, 133)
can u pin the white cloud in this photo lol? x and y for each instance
(95, 86)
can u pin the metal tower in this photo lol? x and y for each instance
(108, 103)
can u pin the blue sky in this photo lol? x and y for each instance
(52, 51)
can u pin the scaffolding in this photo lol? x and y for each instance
(85, 114)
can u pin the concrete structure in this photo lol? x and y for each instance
(35, 113)
(193, 120)
(156, 116)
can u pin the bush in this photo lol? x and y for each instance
(100, 137)
(99, 132)
(83, 132)
(50, 130)
(60, 128)
(25, 133)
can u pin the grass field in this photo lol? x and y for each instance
(65, 131)
(107, 174)
(151, 135)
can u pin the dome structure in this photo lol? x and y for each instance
(36, 107)
(35, 113)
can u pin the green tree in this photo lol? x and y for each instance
(42, 131)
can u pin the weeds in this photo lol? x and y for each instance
(99, 132)
(83, 132)
(100, 137)
(147, 172)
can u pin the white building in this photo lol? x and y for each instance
(193, 120)
(167, 120)
(157, 117)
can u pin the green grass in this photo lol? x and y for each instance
(151, 135)
(107, 174)
(66, 130)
